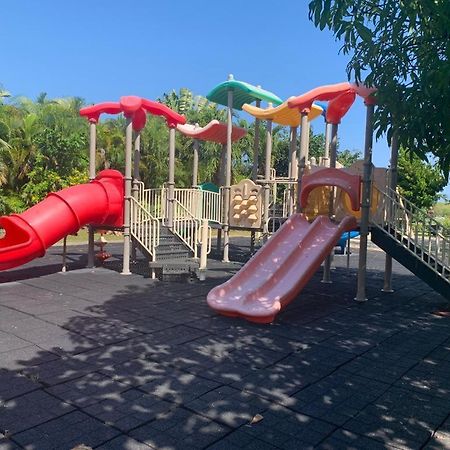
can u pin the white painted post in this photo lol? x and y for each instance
(365, 205)
(127, 198)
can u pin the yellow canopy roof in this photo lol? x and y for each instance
(283, 115)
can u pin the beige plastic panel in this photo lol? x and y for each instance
(379, 177)
(246, 205)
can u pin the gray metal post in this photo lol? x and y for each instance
(255, 168)
(136, 178)
(304, 140)
(227, 187)
(92, 152)
(326, 155)
(64, 265)
(171, 182)
(127, 199)
(365, 206)
(387, 285)
(195, 164)
(308, 127)
(136, 163)
(256, 146)
(292, 171)
(267, 164)
(221, 180)
(333, 157)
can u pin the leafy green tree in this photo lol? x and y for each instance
(348, 157)
(43, 147)
(419, 181)
(402, 48)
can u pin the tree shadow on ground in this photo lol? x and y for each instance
(126, 362)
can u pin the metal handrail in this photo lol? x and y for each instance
(152, 199)
(144, 227)
(419, 233)
(201, 204)
(186, 226)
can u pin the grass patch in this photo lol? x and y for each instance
(82, 238)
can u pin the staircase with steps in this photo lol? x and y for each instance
(174, 259)
(414, 239)
(169, 252)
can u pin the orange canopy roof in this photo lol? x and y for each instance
(283, 115)
(215, 131)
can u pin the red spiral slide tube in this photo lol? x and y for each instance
(28, 235)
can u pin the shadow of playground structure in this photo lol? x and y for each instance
(129, 363)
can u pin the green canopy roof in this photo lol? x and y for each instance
(242, 93)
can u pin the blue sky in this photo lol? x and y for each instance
(101, 50)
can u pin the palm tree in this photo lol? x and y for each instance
(3, 93)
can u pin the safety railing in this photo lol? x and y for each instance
(416, 230)
(201, 204)
(211, 206)
(144, 227)
(154, 200)
(186, 226)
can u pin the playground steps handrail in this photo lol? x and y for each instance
(153, 199)
(186, 226)
(201, 204)
(413, 228)
(144, 227)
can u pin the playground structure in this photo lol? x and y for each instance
(315, 205)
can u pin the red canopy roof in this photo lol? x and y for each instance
(215, 131)
(340, 96)
(135, 108)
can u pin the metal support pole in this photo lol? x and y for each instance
(227, 187)
(326, 156)
(365, 206)
(308, 127)
(171, 182)
(304, 139)
(221, 180)
(92, 152)
(292, 173)
(387, 285)
(203, 249)
(267, 163)
(64, 265)
(127, 199)
(136, 178)
(333, 145)
(332, 162)
(195, 164)
(256, 146)
(255, 167)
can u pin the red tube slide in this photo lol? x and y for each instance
(26, 236)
